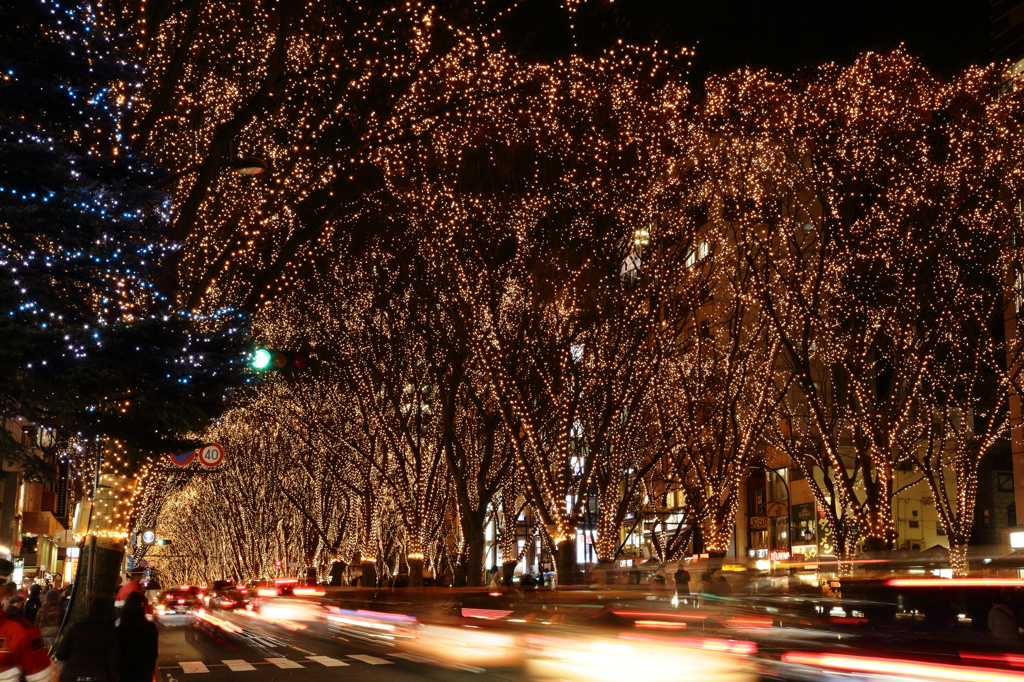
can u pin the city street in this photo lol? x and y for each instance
(263, 652)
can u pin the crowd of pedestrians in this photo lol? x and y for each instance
(115, 642)
(111, 644)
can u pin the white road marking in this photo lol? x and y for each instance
(238, 665)
(372, 660)
(193, 667)
(327, 660)
(284, 663)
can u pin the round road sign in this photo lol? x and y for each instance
(149, 537)
(211, 455)
(182, 459)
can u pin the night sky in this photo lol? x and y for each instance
(777, 34)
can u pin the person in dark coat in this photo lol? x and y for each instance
(48, 619)
(90, 648)
(683, 582)
(15, 606)
(138, 639)
(33, 603)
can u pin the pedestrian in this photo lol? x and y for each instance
(33, 603)
(682, 583)
(49, 617)
(658, 583)
(1002, 623)
(65, 596)
(15, 606)
(137, 638)
(89, 649)
(22, 653)
(528, 581)
(723, 588)
(131, 585)
(460, 575)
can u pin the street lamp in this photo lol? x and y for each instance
(248, 165)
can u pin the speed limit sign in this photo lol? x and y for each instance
(211, 455)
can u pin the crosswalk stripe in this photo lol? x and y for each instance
(193, 667)
(238, 665)
(327, 660)
(372, 660)
(284, 663)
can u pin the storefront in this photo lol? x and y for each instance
(758, 524)
(804, 532)
(768, 518)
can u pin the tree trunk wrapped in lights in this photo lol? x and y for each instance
(508, 531)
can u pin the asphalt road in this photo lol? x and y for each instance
(264, 653)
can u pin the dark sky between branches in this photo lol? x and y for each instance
(778, 34)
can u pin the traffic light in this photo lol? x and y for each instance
(270, 359)
(163, 541)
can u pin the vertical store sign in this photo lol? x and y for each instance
(70, 564)
(825, 545)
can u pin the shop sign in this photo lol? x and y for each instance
(778, 509)
(808, 552)
(778, 555)
(825, 545)
(803, 512)
(759, 523)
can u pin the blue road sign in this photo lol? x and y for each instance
(183, 459)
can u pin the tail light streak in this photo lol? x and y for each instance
(903, 668)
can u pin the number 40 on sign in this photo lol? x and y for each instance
(211, 455)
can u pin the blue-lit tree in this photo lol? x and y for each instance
(89, 342)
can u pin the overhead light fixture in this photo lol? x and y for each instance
(250, 165)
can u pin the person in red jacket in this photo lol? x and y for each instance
(130, 586)
(22, 652)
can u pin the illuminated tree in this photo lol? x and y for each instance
(718, 400)
(88, 343)
(875, 196)
(311, 89)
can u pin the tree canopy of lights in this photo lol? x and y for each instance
(878, 203)
(89, 344)
(572, 289)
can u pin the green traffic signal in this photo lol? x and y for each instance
(261, 359)
(267, 358)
